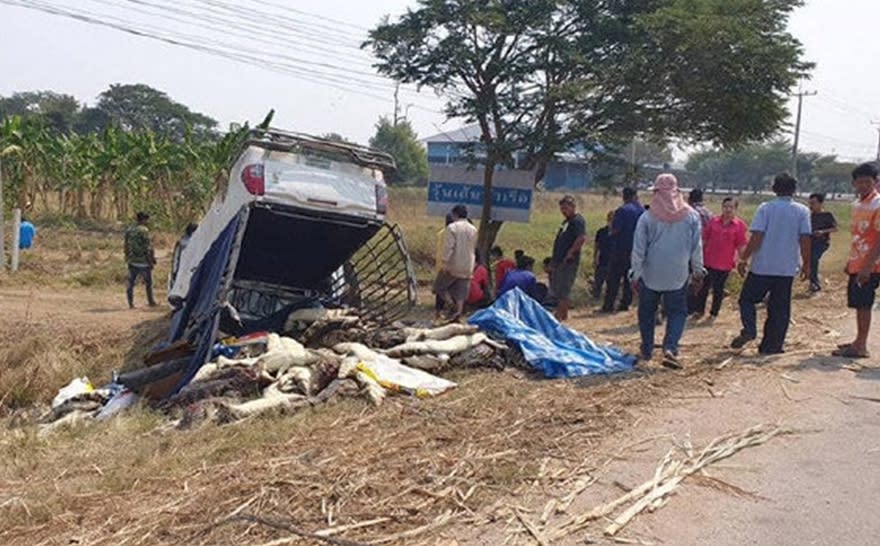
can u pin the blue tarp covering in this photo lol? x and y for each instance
(201, 311)
(547, 345)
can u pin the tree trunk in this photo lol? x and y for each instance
(488, 228)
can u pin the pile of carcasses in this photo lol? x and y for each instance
(326, 354)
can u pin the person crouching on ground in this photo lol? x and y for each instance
(779, 228)
(566, 257)
(501, 265)
(140, 257)
(523, 277)
(480, 294)
(453, 282)
(724, 238)
(667, 245)
(863, 266)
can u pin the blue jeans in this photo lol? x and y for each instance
(675, 305)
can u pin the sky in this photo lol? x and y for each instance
(301, 57)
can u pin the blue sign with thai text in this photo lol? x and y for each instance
(511, 193)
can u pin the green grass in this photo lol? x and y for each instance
(408, 208)
(83, 254)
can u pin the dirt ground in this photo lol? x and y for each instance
(471, 467)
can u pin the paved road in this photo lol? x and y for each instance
(820, 486)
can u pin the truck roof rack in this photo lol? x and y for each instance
(278, 139)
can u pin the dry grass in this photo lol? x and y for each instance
(468, 457)
(43, 349)
(496, 437)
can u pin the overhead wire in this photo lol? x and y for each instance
(281, 21)
(232, 30)
(246, 30)
(314, 15)
(340, 82)
(275, 67)
(243, 29)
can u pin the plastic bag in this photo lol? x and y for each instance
(77, 387)
(396, 377)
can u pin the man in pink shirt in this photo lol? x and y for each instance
(724, 237)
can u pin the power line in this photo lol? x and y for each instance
(846, 105)
(277, 20)
(206, 17)
(275, 67)
(835, 140)
(340, 82)
(797, 129)
(247, 31)
(242, 26)
(314, 15)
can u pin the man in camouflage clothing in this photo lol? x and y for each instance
(140, 258)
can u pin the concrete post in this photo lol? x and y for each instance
(16, 238)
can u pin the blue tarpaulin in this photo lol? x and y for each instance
(201, 311)
(547, 345)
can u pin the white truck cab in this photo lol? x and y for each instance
(308, 210)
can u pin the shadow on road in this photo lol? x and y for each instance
(860, 368)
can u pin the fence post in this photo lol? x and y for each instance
(16, 238)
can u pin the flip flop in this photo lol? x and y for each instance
(844, 345)
(849, 352)
(671, 361)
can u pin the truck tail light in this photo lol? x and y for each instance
(253, 179)
(381, 199)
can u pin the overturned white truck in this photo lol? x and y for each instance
(300, 223)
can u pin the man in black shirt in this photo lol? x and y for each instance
(823, 224)
(567, 255)
(602, 256)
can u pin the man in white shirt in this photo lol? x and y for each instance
(454, 278)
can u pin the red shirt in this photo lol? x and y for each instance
(721, 241)
(479, 285)
(501, 268)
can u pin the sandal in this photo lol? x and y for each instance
(849, 352)
(671, 361)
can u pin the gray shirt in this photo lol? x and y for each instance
(783, 222)
(664, 253)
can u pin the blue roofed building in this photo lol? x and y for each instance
(569, 172)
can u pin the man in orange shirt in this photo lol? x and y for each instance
(863, 266)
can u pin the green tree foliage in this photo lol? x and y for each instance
(537, 75)
(336, 137)
(136, 149)
(59, 111)
(140, 107)
(403, 144)
(108, 175)
(131, 107)
(647, 152)
(752, 167)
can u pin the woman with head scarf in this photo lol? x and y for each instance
(667, 247)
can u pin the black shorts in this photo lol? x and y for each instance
(562, 279)
(862, 297)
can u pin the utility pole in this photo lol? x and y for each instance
(797, 130)
(877, 124)
(396, 102)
